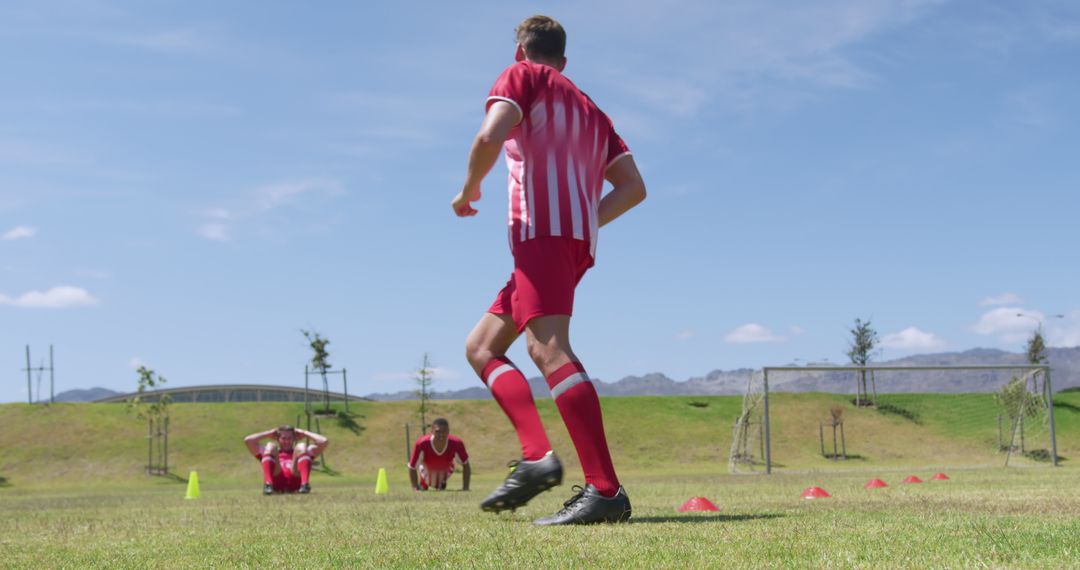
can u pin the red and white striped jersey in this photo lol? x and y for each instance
(557, 154)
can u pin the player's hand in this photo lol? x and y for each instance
(462, 203)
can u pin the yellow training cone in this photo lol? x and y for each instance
(380, 483)
(192, 486)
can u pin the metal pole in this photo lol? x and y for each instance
(768, 443)
(345, 382)
(29, 387)
(166, 445)
(408, 452)
(52, 397)
(307, 408)
(149, 450)
(1050, 413)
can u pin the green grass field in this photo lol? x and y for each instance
(72, 493)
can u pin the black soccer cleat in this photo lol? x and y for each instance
(527, 479)
(588, 506)
(305, 489)
(268, 488)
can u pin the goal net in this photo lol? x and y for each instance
(849, 417)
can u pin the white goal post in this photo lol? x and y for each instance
(755, 409)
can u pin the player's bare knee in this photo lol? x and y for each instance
(479, 353)
(270, 450)
(302, 448)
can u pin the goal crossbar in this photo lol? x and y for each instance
(1028, 368)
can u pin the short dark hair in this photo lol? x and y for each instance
(285, 427)
(440, 422)
(542, 36)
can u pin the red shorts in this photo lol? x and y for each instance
(285, 481)
(433, 479)
(546, 272)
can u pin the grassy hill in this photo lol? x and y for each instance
(96, 444)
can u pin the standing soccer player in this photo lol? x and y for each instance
(560, 147)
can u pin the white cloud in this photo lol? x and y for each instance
(1005, 323)
(218, 222)
(684, 335)
(1002, 299)
(215, 232)
(56, 298)
(19, 232)
(1006, 320)
(740, 53)
(751, 333)
(220, 214)
(912, 338)
(274, 195)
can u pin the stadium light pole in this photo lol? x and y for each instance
(1037, 319)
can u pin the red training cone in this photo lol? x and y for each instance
(913, 479)
(698, 504)
(875, 484)
(940, 477)
(815, 493)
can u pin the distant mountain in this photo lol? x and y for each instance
(86, 395)
(1064, 363)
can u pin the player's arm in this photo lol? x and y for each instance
(500, 119)
(628, 189)
(466, 474)
(414, 464)
(252, 441)
(318, 442)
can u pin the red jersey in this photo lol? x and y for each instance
(438, 460)
(557, 154)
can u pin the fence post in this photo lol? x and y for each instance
(345, 383)
(768, 443)
(1050, 414)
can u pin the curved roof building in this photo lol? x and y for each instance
(235, 393)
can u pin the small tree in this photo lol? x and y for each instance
(1018, 403)
(159, 408)
(425, 376)
(157, 415)
(1036, 349)
(861, 350)
(320, 362)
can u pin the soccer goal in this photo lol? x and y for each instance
(847, 417)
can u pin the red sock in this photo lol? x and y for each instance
(303, 465)
(579, 405)
(268, 469)
(512, 392)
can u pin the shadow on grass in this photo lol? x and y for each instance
(1066, 406)
(838, 457)
(329, 470)
(893, 410)
(170, 476)
(348, 421)
(703, 518)
(4, 482)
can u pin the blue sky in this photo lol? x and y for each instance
(188, 185)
